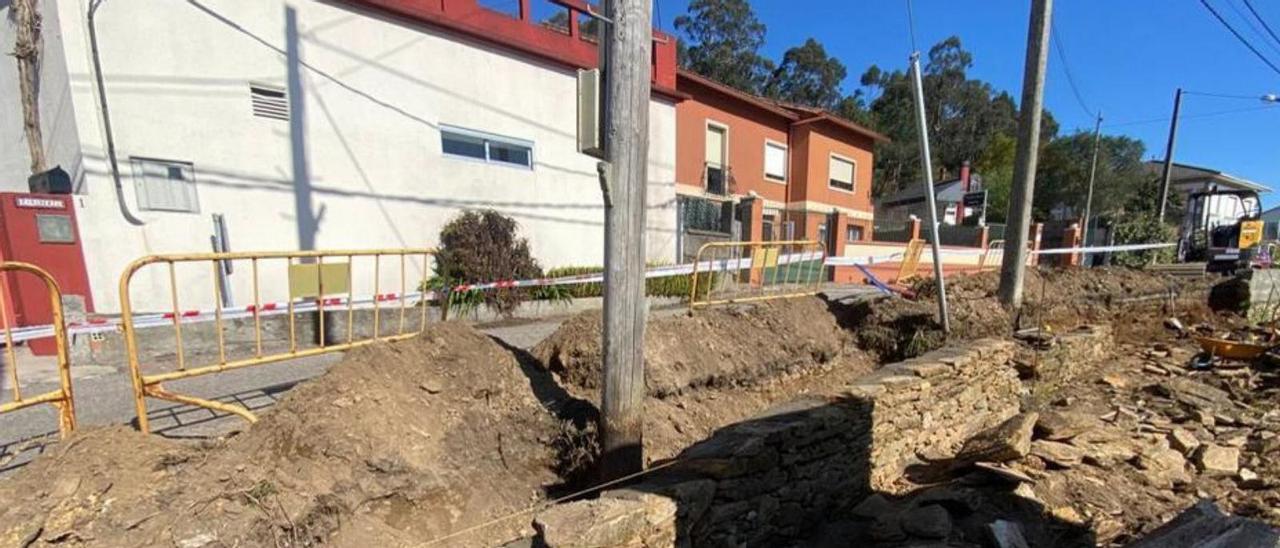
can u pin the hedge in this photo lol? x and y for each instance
(666, 286)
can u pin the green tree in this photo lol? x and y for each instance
(995, 165)
(964, 115)
(722, 40)
(1062, 178)
(808, 76)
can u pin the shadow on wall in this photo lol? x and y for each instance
(803, 474)
(301, 184)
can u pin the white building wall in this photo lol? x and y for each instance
(376, 91)
(57, 117)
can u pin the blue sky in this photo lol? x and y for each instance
(1127, 57)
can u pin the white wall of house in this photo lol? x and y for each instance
(57, 117)
(376, 93)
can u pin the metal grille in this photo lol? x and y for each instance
(269, 102)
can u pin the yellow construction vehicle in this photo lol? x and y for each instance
(1221, 228)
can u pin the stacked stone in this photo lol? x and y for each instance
(768, 480)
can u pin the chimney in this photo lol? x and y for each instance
(964, 176)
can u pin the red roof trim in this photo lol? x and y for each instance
(743, 96)
(844, 124)
(791, 113)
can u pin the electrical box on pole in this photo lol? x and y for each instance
(590, 137)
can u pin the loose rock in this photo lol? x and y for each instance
(1011, 440)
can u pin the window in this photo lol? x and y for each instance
(486, 147)
(789, 231)
(717, 137)
(164, 185)
(269, 102)
(841, 173)
(852, 233)
(506, 7)
(822, 232)
(775, 161)
(588, 26)
(550, 15)
(766, 228)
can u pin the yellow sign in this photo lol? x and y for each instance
(1250, 233)
(764, 258)
(306, 280)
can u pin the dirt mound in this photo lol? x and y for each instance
(1057, 299)
(396, 445)
(715, 347)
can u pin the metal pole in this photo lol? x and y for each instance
(1093, 172)
(628, 39)
(926, 163)
(1168, 154)
(1014, 264)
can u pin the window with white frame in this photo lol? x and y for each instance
(841, 173)
(486, 147)
(853, 233)
(775, 161)
(165, 185)
(716, 157)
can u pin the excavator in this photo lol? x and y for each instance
(1221, 228)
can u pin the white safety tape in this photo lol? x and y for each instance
(1101, 249)
(110, 325)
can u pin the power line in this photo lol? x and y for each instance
(1249, 5)
(1223, 95)
(1193, 116)
(1066, 68)
(1239, 37)
(1253, 26)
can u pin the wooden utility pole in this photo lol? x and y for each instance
(1013, 267)
(1168, 154)
(1093, 173)
(26, 50)
(624, 179)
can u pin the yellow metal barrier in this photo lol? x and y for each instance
(61, 398)
(910, 260)
(311, 283)
(738, 272)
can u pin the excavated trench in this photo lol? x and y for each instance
(404, 443)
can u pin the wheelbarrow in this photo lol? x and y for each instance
(1222, 349)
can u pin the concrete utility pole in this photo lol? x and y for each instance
(26, 49)
(1093, 172)
(1168, 153)
(926, 164)
(628, 39)
(1014, 266)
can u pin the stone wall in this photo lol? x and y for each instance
(769, 480)
(1063, 360)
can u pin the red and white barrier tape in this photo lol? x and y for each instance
(105, 325)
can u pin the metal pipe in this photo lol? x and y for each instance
(106, 116)
(927, 165)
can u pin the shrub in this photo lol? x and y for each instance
(1143, 228)
(483, 246)
(666, 286)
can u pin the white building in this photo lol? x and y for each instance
(341, 124)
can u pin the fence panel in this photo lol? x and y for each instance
(62, 398)
(737, 272)
(315, 285)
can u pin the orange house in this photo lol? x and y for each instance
(802, 164)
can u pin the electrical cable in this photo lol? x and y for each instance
(1249, 5)
(1239, 37)
(1192, 116)
(1055, 37)
(1223, 95)
(1253, 26)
